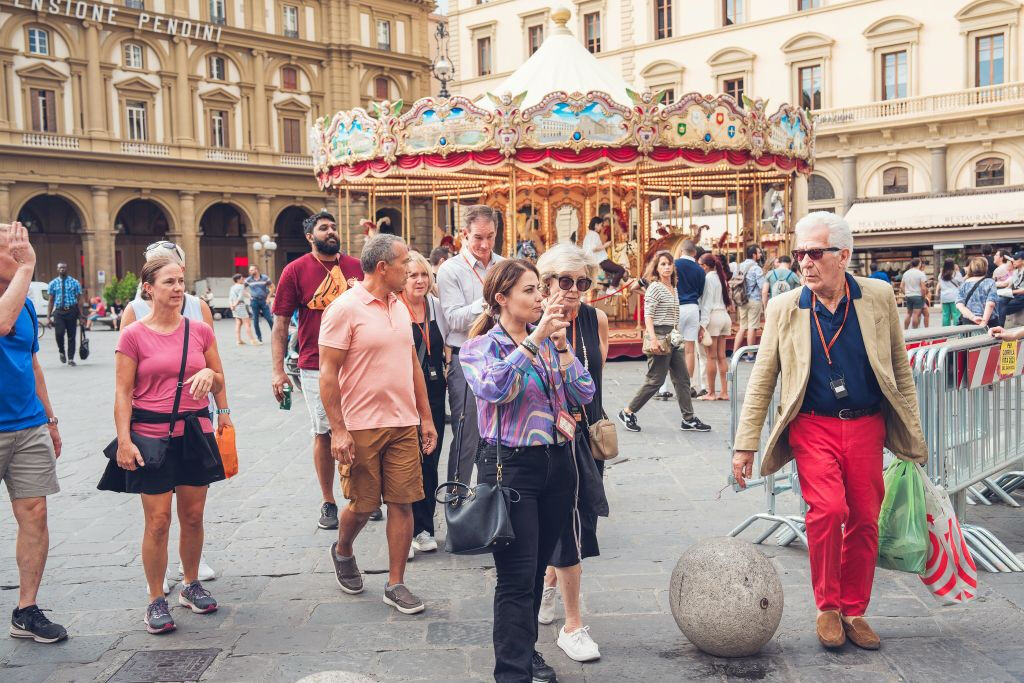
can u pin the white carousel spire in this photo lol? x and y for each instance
(561, 63)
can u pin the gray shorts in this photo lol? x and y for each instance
(914, 302)
(27, 463)
(311, 392)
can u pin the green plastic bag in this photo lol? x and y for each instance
(903, 521)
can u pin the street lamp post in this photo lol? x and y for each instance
(265, 246)
(442, 67)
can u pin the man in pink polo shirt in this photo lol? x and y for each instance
(375, 397)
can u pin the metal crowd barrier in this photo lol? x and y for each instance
(976, 425)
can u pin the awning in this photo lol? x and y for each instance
(976, 209)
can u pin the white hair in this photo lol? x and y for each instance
(564, 257)
(839, 234)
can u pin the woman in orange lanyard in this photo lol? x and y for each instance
(428, 331)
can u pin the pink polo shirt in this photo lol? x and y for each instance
(377, 377)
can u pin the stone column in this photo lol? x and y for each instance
(5, 202)
(182, 95)
(180, 8)
(95, 123)
(264, 226)
(98, 240)
(938, 169)
(799, 190)
(258, 12)
(189, 236)
(259, 103)
(849, 182)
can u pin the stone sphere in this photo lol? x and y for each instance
(726, 597)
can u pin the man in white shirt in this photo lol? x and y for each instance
(460, 284)
(594, 243)
(913, 285)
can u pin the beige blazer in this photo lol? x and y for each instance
(786, 350)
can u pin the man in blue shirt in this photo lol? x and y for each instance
(29, 441)
(261, 287)
(64, 311)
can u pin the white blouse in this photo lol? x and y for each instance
(711, 299)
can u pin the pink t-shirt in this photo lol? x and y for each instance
(159, 358)
(377, 378)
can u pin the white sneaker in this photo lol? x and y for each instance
(424, 542)
(206, 572)
(547, 605)
(167, 587)
(578, 645)
(412, 553)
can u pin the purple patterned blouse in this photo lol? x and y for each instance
(499, 372)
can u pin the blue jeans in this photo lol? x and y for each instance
(260, 309)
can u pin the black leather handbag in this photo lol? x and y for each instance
(478, 519)
(154, 450)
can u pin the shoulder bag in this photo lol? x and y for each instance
(477, 519)
(604, 440)
(153, 449)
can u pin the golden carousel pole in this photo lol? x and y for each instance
(510, 226)
(348, 222)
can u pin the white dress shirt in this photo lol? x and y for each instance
(461, 290)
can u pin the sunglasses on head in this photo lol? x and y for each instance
(582, 284)
(815, 254)
(164, 244)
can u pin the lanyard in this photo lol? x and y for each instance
(325, 267)
(425, 326)
(821, 335)
(473, 268)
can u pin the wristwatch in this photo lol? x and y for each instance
(530, 346)
(51, 421)
(222, 411)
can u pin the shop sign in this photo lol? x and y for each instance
(103, 13)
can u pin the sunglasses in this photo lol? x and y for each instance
(815, 254)
(583, 284)
(171, 246)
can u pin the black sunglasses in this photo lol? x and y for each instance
(815, 254)
(583, 284)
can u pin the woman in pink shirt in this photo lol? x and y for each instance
(148, 363)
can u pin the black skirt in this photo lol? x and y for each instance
(584, 523)
(192, 460)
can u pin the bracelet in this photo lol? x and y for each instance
(222, 411)
(565, 350)
(530, 346)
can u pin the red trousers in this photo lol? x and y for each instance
(840, 467)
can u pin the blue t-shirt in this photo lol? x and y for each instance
(20, 408)
(259, 286)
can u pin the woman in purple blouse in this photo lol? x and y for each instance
(531, 372)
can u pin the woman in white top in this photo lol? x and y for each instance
(715, 323)
(239, 300)
(595, 244)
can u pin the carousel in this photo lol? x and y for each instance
(563, 141)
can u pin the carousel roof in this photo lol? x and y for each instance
(560, 64)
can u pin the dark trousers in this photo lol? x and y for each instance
(461, 453)
(673, 365)
(65, 322)
(423, 511)
(260, 309)
(545, 478)
(614, 270)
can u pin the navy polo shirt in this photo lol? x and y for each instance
(689, 281)
(849, 359)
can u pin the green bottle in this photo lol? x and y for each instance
(286, 402)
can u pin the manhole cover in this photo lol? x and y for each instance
(164, 665)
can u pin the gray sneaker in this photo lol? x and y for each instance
(347, 572)
(402, 599)
(158, 617)
(197, 598)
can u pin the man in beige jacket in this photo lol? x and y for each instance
(847, 391)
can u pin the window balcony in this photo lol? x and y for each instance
(145, 149)
(135, 4)
(297, 160)
(291, 33)
(232, 155)
(219, 19)
(910, 108)
(50, 141)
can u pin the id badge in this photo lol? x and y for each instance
(839, 387)
(433, 374)
(565, 424)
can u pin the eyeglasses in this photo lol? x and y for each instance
(583, 284)
(815, 254)
(162, 244)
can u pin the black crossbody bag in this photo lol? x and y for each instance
(154, 450)
(477, 518)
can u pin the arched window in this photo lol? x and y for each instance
(133, 56)
(289, 78)
(381, 88)
(895, 180)
(819, 188)
(989, 172)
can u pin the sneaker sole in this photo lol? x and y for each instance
(326, 526)
(22, 633)
(694, 429)
(157, 631)
(424, 549)
(545, 620)
(350, 591)
(591, 658)
(404, 610)
(184, 602)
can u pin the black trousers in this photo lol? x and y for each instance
(545, 478)
(423, 511)
(65, 322)
(462, 453)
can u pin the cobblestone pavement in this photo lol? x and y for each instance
(282, 615)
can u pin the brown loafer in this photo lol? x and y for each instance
(830, 629)
(861, 634)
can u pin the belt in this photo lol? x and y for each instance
(845, 413)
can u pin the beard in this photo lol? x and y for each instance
(327, 247)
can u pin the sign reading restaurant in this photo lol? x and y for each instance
(102, 13)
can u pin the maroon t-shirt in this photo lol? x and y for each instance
(308, 285)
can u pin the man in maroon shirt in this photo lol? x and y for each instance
(308, 285)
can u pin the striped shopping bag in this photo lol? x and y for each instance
(949, 573)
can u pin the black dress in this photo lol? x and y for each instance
(586, 343)
(432, 364)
